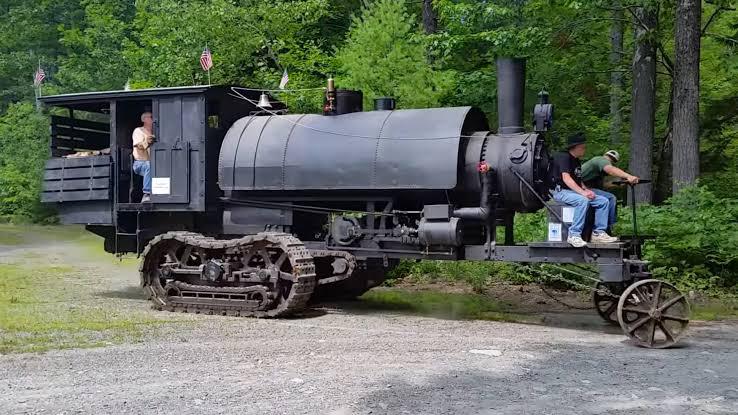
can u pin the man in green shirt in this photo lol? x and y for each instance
(595, 170)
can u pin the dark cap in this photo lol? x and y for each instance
(576, 139)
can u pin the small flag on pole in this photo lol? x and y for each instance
(206, 59)
(285, 79)
(38, 77)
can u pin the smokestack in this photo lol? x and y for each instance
(510, 95)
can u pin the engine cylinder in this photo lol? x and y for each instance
(440, 233)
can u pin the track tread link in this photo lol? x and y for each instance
(350, 261)
(303, 270)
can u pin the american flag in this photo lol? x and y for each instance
(38, 77)
(285, 79)
(206, 60)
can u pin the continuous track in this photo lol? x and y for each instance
(276, 279)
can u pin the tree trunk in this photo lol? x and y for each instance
(686, 151)
(616, 76)
(662, 185)
(644, 101)
(430, 17)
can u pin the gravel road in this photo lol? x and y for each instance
(349, 361)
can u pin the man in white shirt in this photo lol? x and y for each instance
(143, 137)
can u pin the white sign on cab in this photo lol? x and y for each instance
(160, 186)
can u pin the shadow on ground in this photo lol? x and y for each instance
(451, 306)
(581, 379)
(137, 293)
(126, 293)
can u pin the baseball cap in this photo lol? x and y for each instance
(613, 154)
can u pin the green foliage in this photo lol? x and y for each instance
(384, 55)
(29, 36)
(96, 42)
(252, 43)
(475, 273)
(696, 242)
(530, 227)
(23, 149)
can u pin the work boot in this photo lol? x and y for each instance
(146, 198)
(602, 238)
(576, 241)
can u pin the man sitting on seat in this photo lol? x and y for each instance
(142, 138)
(595, 170)
(570, 190)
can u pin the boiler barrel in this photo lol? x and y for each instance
(424, 149)
(403, 149)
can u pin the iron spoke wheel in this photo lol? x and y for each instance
(606, 303)
(605, 298)
(642, 314)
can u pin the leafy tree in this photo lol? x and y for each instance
(94, 47)
(252, 43)
(384, 55)
(29, 35)
(23, 149)
(697, 237)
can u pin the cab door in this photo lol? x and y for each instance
(175, 157)
(170, 164)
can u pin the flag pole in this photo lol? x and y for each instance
(38, 103)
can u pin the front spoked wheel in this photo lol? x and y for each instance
(653, 313)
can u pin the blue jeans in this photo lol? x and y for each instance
(143, 168)
(613, 214)
(581, 204)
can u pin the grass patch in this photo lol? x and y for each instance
(86, 242)
(442, 305)
(478, 274)
(715, 309)
(711, 305)
(11, 235)
(15, 234)
(40, 311)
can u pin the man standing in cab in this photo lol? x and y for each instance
(593, 174)
(569, 189)
(143, 137)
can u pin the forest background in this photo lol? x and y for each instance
(628, 73)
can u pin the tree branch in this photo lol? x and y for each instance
(611, 9)
(721, 37)
(668, 63)
(713, 16)
(635, 16)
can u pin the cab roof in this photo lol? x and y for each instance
(99, 101)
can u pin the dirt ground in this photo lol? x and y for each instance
(339, 358)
